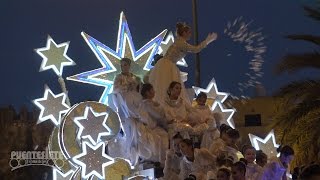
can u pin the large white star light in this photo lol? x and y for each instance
(268, 145)
(110, 59)
(92, 125)
(54, 56)
(91, 161)
(165, 44)
(52, 106)
(227, 114)
(212, 91)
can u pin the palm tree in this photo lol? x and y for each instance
(297, 123)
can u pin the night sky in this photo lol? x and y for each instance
(25, 25)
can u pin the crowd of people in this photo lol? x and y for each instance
(160, 125)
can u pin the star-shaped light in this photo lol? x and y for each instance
(92, 125)
(165, 46)
(91, 161)
(52, 106)
(58, 175)
(212, 91)
(226, 113)
(54, 56)
(110, 59)
(268, 145)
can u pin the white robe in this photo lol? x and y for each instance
(152, 114)
(166, 70)
(203, 162)
(179, 114)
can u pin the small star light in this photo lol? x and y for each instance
(58, 175)
(91, 161)
(54, 56)
(212, 91)
(165, 46)
(52, 106)
(226, 113)
(268, 145)
(92, 125)
(110, 59)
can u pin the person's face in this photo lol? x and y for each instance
(150, 93)
(250, 155)
(185, 149)
(187, 34)
(176, 146)
(201, 101)
(125, 67)
(222, 176)
(175, 91)
(236, 174)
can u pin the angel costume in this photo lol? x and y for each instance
(203, 163)
(152, 114)
(273, 170)
(126, 99)
(166, 70)
(179, 114)
(125, 89)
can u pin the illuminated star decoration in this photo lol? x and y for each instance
(110, 59)
(54, 56)
(268, 145)
(58, 175)
(165, 46)
(91, 161)
(92, 125)
(253, 42)
(212, 91)
(52, 106)
(227, 114)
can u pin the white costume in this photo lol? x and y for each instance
(273, 170)
(166, 70)
(219, 147)
(203, 163)
(152, 114)
(179, 114)
(171, 169)
(253, 171)
(124, 94)
(210, 135)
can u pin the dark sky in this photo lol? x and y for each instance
(26, 23)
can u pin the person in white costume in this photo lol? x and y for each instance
(228, 147)
(178, 113)
(153, 116)
(166, 70)
(277, 167)
(219, 144)
(195, 161)
(253, 170)
(171, 169)
(206, 125)
(125, 90)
